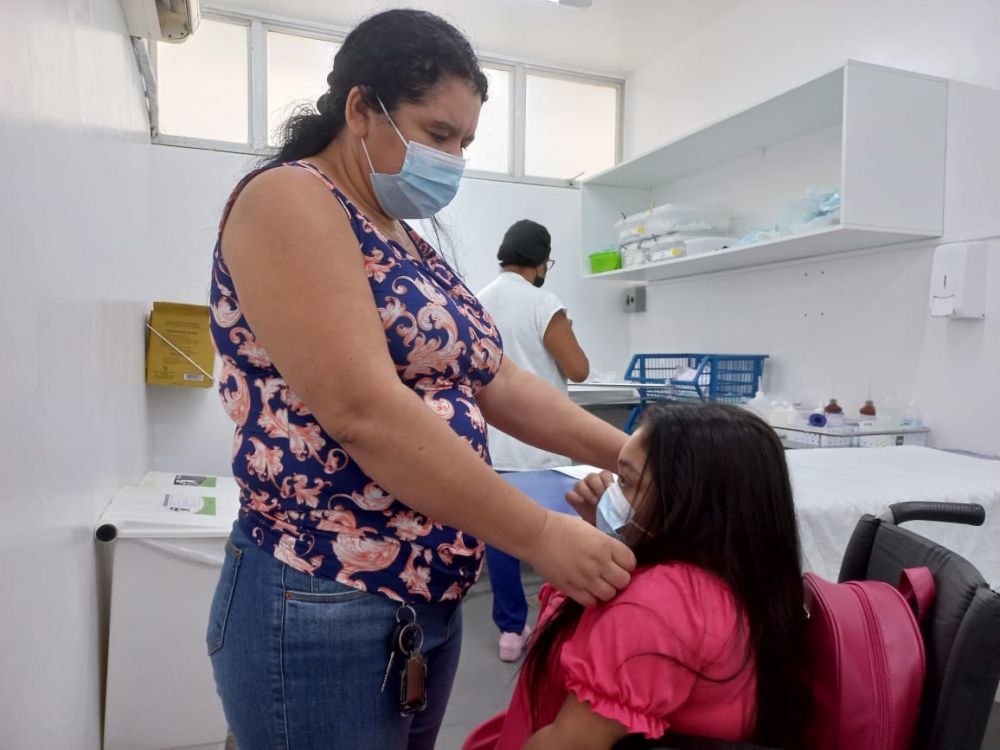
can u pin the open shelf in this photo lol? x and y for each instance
(824, 241)
(876, 134)
(802, 110)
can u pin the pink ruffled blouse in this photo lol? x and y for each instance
(625, 660)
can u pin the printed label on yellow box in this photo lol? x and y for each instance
(179, 347)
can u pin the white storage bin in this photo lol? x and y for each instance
(633, 255)
(674, 218)
(665, 248)
(652, 250)
(812, 439)
(702, 245)
(892, 440)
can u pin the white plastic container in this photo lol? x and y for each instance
(760, 405)
(664, 248)
(911, 417)
(672, 218)
(893, 439)
(702, 245)
(652, 250)
(633, 255)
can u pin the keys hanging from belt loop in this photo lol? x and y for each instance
(403, 637)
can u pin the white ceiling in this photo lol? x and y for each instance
(612, 36)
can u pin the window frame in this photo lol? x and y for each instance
(258, 25)
(262, 73)
(562, 75)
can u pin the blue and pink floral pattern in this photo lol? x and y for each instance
(302, 496)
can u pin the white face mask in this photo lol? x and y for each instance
(614, 512)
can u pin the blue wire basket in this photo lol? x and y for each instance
(730, 378)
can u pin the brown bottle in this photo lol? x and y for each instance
(868, 410)
(833, 407)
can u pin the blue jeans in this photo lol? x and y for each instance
(510, 608)
(299, 661)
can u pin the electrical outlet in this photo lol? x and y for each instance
(635, 299)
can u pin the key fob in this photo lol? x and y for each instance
(413, 685)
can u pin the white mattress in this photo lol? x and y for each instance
(834, 487)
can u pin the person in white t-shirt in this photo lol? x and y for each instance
(538, 336)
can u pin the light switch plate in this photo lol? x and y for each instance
(635, 299)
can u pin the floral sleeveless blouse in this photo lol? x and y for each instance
(302, 497)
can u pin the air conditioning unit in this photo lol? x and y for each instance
(162, 20)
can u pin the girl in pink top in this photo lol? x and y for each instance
(708, 638)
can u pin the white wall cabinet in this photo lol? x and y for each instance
(878, 134)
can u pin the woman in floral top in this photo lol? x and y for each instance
(360, 373)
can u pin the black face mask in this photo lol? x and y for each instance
(539, 281)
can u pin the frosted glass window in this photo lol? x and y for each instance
(490, 152)
(571, 127)
(297, 68)
(202, 84)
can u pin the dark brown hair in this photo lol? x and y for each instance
(719, 497)
(396, 56)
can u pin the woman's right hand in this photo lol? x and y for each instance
(586, 493)
(584, 563)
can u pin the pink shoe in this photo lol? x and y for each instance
(512, 644)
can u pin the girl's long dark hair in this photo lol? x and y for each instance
(719, 497)
(398, 56)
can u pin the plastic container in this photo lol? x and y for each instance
(893, 439)
(674, 218)
(652, 250)
(818, 420)
(784, 414)
(831, 438)
(664, 248)
(834, 414)
(633, 255)
(760, 405)
(702, 245)
(605, 260)
(912, 418)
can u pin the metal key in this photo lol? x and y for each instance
(403, 637)
(393, 650)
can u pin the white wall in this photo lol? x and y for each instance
(72, 212)
(190, 431)
(763, 47)
(481, 214)
(832, 325)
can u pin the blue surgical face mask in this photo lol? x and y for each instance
(427, 182)
(614, 512)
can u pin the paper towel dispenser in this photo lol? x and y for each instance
(958, 280)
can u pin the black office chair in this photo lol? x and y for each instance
(962, 632)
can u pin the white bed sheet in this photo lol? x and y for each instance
(834, 487)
